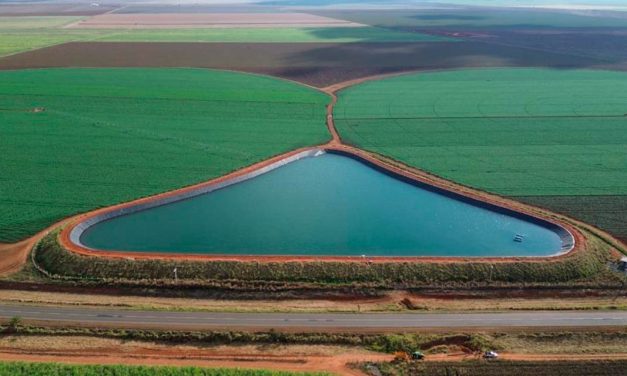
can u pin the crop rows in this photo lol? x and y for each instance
(47, 369)
(503, 368)
(112, 135)
(19, 34)
(514, 132)
(606, 212)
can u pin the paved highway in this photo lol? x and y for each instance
(200, 320)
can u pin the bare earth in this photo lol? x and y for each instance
(90, 350)
(324, 358)
(13, 256)
(317, 64)
(208, 20)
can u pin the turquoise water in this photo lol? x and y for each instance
(325, 205)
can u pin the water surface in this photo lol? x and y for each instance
(325, 205)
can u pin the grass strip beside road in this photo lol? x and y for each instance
(397, 301)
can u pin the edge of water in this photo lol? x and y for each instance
(76, 231)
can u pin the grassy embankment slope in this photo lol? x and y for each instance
(555, 138)
(18, 34)
(74, 140)
(586, 268)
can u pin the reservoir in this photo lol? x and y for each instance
(326, 205)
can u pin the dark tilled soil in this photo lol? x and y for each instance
(503, 368)
(318, 64)
(608, 44)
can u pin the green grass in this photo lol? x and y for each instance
(517, 132)
(112, 135)
(16, 41)
(18, 34)
(35, 22)
(584, 268)
(514, 132)
(48, 369)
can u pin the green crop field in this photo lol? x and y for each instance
(35, 22)
(514, 132)
(48, 369)
(73, 140)
(18, 34)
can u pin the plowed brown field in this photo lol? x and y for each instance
(318, 64)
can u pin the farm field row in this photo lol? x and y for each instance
(594, 34)
(79, 139)
(502, 368)
(606, 212)
(514, 132)
(46, 369)
(29, 9)
(178, 20)
(19, 34)
(318, 64)
(467, 17)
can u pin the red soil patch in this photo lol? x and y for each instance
(13, 256)
(336, 364)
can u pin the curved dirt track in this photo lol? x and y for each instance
(292, 358)
(13, 256)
